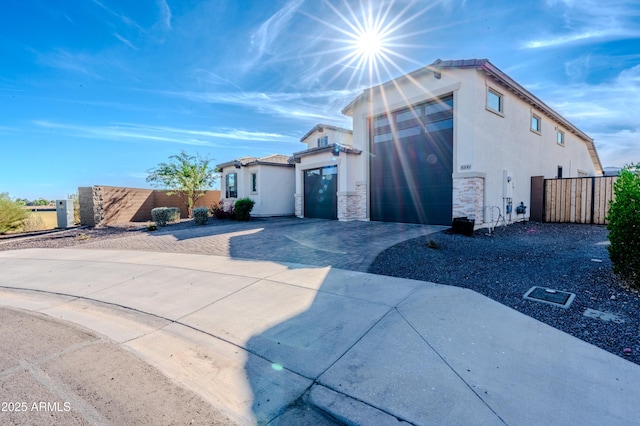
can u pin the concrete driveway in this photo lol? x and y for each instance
(344, 245)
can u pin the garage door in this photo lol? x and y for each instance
(320, 193)
(412, 164)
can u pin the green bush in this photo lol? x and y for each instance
(624, 225)
(11, 214)
(200, 215)
(243, 208)
(163, 215)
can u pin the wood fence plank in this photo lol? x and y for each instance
(572, 212)
(597, 201)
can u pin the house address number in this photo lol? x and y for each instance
(465, 167)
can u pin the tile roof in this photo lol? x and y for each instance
(322, 127)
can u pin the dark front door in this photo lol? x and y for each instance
(320, 193)
(412, 164)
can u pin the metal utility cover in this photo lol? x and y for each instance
(550, 296)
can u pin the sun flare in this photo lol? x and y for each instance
(369, 44)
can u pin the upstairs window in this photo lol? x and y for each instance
(323, 141)
(231, 185)
(495, 101)
(560, 138)
(536, 123)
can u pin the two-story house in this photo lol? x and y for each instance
(452, 139)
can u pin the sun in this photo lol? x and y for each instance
(369, 44)
(371, 38)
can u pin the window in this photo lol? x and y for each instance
(560, 138)
(323, 141)
(494, 101)
(535, 123)
(231, 185)
(559, 172)
(254, 182)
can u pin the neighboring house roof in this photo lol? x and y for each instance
(295, 158)
(501, 78)
(270, 160)
(321, 127)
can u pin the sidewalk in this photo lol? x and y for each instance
(254, 337)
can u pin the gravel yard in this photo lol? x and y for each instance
(503, 266)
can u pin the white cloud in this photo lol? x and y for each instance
(135, 132)
(125, 41)
(607, 112)
(618, 148)
(165, 12)
(588, 21)
(268, 32)
(315, 105)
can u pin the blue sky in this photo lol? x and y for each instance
(96, 92)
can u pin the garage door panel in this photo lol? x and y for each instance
(320, 193)
(411, 172)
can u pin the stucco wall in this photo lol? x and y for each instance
(109, 205)
(485, 143)
(275, 189)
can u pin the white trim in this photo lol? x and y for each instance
(402, 104)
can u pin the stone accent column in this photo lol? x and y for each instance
(298, 205)
(468, 196)
(361, 201)
(346, 206)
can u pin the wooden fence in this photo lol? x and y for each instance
(578, 200)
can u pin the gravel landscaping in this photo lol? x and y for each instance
(503, 266)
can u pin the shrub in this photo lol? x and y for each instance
(243, 208)
(11, 214)
(218, 211)
(200, 215)
(33, 222)
(624, 225)
(163, 215)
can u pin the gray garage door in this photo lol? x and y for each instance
(320, 193)
(412, 164)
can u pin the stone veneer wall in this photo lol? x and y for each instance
(468, 198)
(298, 205)
(353, 205)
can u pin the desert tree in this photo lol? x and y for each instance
(187, 176)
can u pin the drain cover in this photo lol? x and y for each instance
(550, 296)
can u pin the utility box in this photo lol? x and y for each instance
(64, 211)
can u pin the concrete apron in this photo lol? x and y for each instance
(252, 337)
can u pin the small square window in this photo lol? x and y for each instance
(494, 101)
(560, 138)
(535, 123)
(254, 182)
(323, 141)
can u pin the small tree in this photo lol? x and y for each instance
(186, 175)
(11, 214)
(624, 224)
